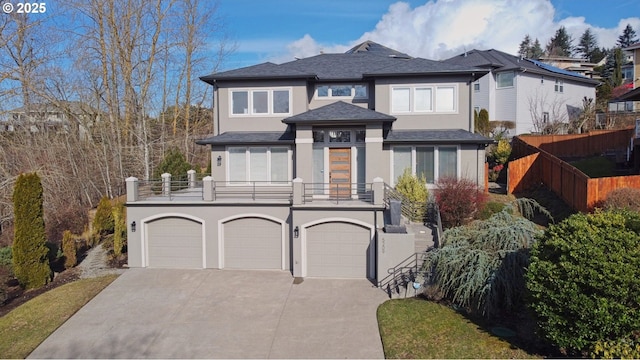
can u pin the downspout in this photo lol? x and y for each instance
(471, 125)
(216, 100)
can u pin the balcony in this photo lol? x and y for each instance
(296, 192)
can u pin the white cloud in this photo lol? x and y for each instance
(440, 29)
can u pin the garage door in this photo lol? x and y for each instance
(338, 250)
(174, 243)
(252, 243)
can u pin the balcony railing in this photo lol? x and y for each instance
(295, 192)
(337, 193)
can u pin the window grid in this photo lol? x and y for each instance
(433, 162)
(258, 163)
(343, 91)
(424, 99)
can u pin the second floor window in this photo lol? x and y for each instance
(559, 87)
(261, 102)
(505, 79)
(424, 98)
(357, 91)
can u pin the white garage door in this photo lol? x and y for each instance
(252, 243)
(174, 243)
(338, 250)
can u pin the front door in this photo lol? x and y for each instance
(340, 172)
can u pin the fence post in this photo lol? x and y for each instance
(166, 184)
(191, 175)
(378, 191)
(298, 195)
(132, 189)
(207, 188)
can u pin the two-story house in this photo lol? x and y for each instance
(303, 155)
(535, 97)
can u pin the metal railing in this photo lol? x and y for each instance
(407, 272)
(337, 193)
(175, 190)
(252, 190)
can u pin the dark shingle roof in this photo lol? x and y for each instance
(367, 59)
(338, 112)
(249, 137)
(457, 136)
(501, 61)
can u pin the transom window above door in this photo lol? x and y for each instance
(260, 102)
(338, 136)
(355, 91)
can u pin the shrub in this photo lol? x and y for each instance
(414, 190)
(490, 208)
(616, 349)
(5, 256)
(482, 122)
(623, 198)
(30, 264)
(173, 163)
(459, 200)
(584, 279)
(120, 233)
(502, 152)
(103, 221)
(481, 265)
(69, 249)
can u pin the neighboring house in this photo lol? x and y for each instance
(63, 117)
(535, 96)
(577, 65)
(631, 80)
(303, 156)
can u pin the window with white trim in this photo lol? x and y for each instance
(432, 162)
(260, 102)
(355, 91)
(559, 86)
(424, 98)
(259, 163)
(476, 85)
(505, 79)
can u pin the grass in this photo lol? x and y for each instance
(421, 329)
(28, 325)
(596, 167)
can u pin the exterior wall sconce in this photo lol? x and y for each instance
(133, 226)
(219, 160)
(296, 232)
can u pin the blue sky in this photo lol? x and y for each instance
(278, 30)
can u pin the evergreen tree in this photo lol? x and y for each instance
(588, 45)
(525, 46)
(30, 263)
(560, 44)
(628, 37)
(536, 50)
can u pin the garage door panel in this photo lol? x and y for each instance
(338, 250)
(174, 243)
(252, 243)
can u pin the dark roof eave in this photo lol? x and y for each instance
(443, 72)
(209, 141)
(338, 121)
(440, 141)
(212, 79)
(550, 73)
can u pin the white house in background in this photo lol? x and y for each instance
(531, 94)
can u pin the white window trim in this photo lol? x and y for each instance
(434, 98)
(250, 92)
(506, 87)
(330, 95)
(559, 86)
(340, 144)
(248, 165)
(436, 161)
(476, 84)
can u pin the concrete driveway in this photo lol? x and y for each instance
(160, 313)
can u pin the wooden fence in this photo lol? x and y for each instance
(579, 145)
(535, 165)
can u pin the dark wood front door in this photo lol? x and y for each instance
(340, 172)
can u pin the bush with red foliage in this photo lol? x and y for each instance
(459, 200)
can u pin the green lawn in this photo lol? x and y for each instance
(595, 167)
(420, 329)
(24, 328)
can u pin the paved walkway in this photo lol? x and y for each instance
(159, 313)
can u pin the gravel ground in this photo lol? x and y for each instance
(95, 264)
